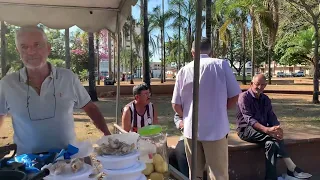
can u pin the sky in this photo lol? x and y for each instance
(136, 15)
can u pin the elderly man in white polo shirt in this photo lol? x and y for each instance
(40, 98)
(218, 92)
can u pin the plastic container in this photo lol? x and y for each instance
(119, 162)
(156, 154)
(132, 173)
(82, 174)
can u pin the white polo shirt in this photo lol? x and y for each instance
(47, 122)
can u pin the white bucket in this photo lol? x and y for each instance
(82, 174)
(133, 173)
(119, 162)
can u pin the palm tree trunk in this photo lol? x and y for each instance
(315, 98)
(131, 53)
(244, 52)
(3, 49)
(179, 37)
(146, 75)
(114, 60)
(97, 57)
(269, 57)
(163, 44)
(208, 19)
(92, 83)
(110, 56)
(253, 63)
(67, 46)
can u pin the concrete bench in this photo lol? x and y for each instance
(246, 160)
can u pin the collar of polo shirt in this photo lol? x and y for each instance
(23, 73)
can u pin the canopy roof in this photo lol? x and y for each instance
(89, 15)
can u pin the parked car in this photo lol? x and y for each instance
(299, 74)
(280, 74)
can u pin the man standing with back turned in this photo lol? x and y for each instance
(218, 91)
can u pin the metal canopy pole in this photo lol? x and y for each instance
(118, 71)
(196, 90)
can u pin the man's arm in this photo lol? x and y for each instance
(233, 88)
(155, 114)
(1, 120)
(98, 120)
(231, 102)
(126, 119)
(176, 97)
(178, 109)
(272, 118)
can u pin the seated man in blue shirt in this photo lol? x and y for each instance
(257, 123)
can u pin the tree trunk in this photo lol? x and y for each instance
(3, 49)
(253, 63)
(97, 57)
(179, 39)
(244, 81)
(161, 39)
(91, 69)
(269, 58)
(67, 47)
(208, 19)
(163, 44)
(189, 55)
(146, 72)
(315, 98)
(114, 59)
(131, 53)
(110, 56)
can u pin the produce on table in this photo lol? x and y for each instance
(149, 169)
(114, 147)
(62, 166)
(156, 176)
(156, 169)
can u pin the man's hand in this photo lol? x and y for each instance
(276, 132)
(181, 125)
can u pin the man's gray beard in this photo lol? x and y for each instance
(38, 67)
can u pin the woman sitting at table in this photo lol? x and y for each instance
(140, 112)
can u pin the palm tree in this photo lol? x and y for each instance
(269, 18)
(185, 18)
(3, 49)
(67, 46)
(92, 84)
(146, 69)
(157, 21)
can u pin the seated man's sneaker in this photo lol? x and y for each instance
(298, 173)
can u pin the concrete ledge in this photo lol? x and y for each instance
(168, 89)
(247, 162)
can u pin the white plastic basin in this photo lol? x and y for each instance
(133, 173)
(119, 162)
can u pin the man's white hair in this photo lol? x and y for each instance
(29, 29)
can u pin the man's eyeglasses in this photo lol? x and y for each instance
(145, 94)
(258, 84)
(36, 111)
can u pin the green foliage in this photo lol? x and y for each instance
(295, 49)
(57, 62)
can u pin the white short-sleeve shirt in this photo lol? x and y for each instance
(216, 84)
(45, 121)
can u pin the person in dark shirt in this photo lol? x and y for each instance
(257, 123)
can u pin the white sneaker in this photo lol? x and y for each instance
(298, 174)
